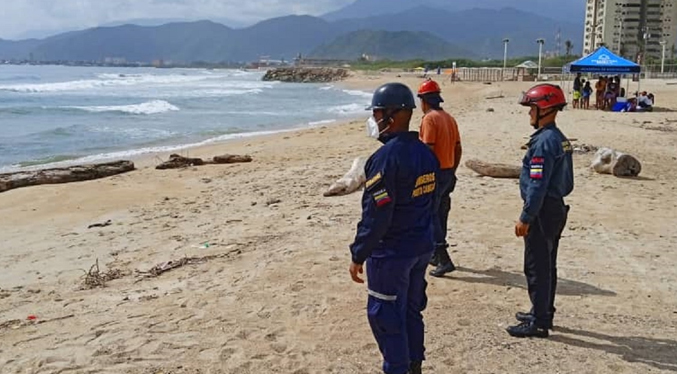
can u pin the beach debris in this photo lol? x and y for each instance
(272, 201)
(232, 159)
(494, 170)
(94, 278)
(103, 224)
(353, 180)
(494, 97)
(490, 110)
(164, 267)
(69, 174)
(306, 75)
(609, 161)
(17, 323)
(584, 148)
(178, 161)
(662, 128)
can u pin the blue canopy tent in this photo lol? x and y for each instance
(603, 61)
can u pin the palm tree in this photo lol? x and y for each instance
(569, 46)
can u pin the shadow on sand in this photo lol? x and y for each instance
(659, 353)
(503, 278)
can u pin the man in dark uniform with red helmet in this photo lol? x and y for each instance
(547, 177)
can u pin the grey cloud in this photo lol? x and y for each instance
(19, 16)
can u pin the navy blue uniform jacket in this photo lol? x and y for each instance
(397, 205)
(547, 170)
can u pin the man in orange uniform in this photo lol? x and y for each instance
(439, 131)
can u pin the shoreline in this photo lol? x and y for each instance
(142, 154)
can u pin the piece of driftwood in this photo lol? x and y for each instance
(69, 174)
(166, 266)
(609, 161)
(178, 161)
(351, 182)
(231, 159)
(494, 170)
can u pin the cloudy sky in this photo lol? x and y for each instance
(20, 17)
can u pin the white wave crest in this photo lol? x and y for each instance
(106, 80)
(366, 95)
(323, 122)
(150, 107)
(347, 109)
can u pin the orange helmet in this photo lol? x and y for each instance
(544, 96)
(429, 87)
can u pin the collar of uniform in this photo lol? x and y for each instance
(550, 125)
(402, 135)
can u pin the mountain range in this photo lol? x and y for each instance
(406, 29)
(569, 11)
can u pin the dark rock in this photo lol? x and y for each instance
(306, 75)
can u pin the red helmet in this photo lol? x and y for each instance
(544, 96)
(429, 87)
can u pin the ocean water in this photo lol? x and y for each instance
(53, 114)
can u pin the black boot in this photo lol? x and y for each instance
(445, 264)
(415, 367)
(524, 317)
(529, 317)
(435, 260)
(528, 330)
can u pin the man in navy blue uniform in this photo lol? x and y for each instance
(547, 177)
(395, 235)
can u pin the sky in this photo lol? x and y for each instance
(22, 18)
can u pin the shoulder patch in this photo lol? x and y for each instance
(536, 167)
(373, 181)
(566, 145)
(381, 197)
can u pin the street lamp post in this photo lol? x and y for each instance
(663, 43)
(540, 42)
(505, 54)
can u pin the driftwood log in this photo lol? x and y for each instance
(351, 182)
(178, 161)
(494, 170)
(609, 161)
(69, 174)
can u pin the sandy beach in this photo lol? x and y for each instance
(271, 292)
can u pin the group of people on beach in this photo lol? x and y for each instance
(405, 209)
(609, 95)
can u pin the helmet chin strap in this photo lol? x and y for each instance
(388, 118)
(539, 117)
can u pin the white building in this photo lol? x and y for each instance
(627, 27)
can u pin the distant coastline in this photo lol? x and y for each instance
(191, 65)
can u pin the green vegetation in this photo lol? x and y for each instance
(394, 45)
(461, 62)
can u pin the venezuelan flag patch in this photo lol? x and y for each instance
(382, 198)
(536, 168)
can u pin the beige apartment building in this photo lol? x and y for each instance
(628, 27)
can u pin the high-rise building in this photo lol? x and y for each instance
(629, 27)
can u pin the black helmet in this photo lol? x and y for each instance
(392, 96)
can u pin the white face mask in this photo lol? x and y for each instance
(372, 128)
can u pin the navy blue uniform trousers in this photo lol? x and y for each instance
(396, 299)
(446, 183)
(540, 258)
